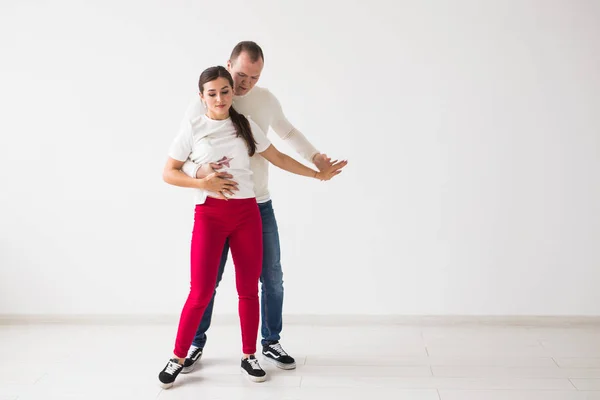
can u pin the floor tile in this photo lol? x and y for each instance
(440, 383)
(516, 395)
(515, 372)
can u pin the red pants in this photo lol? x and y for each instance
(215, 221)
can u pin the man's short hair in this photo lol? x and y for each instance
(249, 47)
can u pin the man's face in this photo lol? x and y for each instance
(245, 73)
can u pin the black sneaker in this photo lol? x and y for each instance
(275, 354)
(194, 354)
(252, 369)
(169, 373)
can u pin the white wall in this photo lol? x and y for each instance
(472, 130)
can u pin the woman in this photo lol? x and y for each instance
(225, 209)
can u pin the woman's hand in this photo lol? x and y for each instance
(220, 183)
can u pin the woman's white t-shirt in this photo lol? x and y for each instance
(204, 140)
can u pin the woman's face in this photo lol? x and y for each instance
(218, 96)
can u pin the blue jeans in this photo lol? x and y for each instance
(271, 280)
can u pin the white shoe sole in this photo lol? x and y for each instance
(187, 370)
(279, 364)
(257, 379)
(166, 385)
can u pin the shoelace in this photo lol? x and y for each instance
(277, 347)
(172, 367)
(253, 363)
(191, 351)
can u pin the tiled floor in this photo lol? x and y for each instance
(400, 362)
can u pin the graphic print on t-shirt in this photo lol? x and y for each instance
(225, 161)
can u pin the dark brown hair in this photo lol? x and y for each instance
(249, 47)
(242, 126)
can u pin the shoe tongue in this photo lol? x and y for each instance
(252, 357)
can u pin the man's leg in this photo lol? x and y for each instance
(195, 352)
(272, 291)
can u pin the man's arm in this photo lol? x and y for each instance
(287, 163)
(292, 136)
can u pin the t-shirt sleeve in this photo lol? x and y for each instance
(181, 148)
(262, 143)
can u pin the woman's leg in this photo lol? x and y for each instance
(211, 228)
(246, 249)
(208, 238)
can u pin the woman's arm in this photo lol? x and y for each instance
(173, 175)
(287, 163)
(214, 182)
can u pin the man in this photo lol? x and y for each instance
(245, 65)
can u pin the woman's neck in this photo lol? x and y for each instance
(220, 117)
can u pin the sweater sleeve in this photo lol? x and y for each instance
(190, 168)
(286, 131)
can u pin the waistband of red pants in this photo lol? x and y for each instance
(231, 203)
